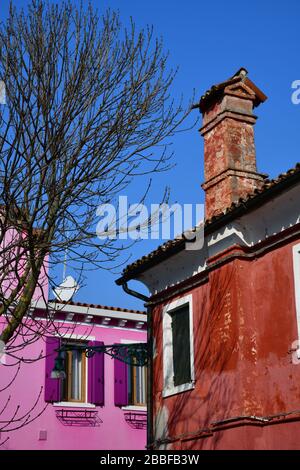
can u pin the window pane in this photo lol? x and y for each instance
(73, 386)
(181, 345)
(144, 387)
(76, 377)
(137, 381)
(138, 385)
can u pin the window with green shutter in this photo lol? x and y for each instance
(181, 345)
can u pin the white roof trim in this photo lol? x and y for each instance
(97, 312)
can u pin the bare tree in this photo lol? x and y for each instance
(87, 109)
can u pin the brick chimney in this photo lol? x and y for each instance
(229, 150)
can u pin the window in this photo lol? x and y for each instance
(296, 265)
(130, 387)
(136, 385)
(178, 349)
(79, 371)
(73, 387)
(181, 345)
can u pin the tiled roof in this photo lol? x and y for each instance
(269, 189)
(105, 307)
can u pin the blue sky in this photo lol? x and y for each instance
(210, 41)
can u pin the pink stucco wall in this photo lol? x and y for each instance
(8, 250)
(113, 433)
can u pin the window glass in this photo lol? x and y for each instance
(136, 385)
(73, 387)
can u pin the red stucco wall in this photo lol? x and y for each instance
(244, 327)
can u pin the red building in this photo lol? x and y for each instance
(225, 319)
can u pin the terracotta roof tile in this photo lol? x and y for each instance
(83, 304)
(253, 199)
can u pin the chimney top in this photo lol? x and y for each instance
(231, 86)
(229, 151)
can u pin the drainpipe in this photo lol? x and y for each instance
(134, 293)
(146, 299)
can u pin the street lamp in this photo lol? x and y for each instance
(59, 366)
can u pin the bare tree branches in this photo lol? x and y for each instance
(88, 108)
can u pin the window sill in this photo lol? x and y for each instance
(172, 390)
(134, 408)
(70, 404)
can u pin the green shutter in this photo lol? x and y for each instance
(181, 345)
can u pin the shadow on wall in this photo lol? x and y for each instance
(190, 414)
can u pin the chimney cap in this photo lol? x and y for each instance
(242, 72)
(215, 92)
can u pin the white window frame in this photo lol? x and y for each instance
(296, 267)
(168, 367)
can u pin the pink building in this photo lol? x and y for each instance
(99, 404)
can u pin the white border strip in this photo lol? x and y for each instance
(296, 266)
(168, 368)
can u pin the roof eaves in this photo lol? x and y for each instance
(252, 201)
(96, 306)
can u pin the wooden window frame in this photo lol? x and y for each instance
(141, 405)
(68, 379)
(133, 377)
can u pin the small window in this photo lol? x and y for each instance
(73, 386)
(181, 345)
(137, 385)
(178, 346)
(130, 384)
(296, 267)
